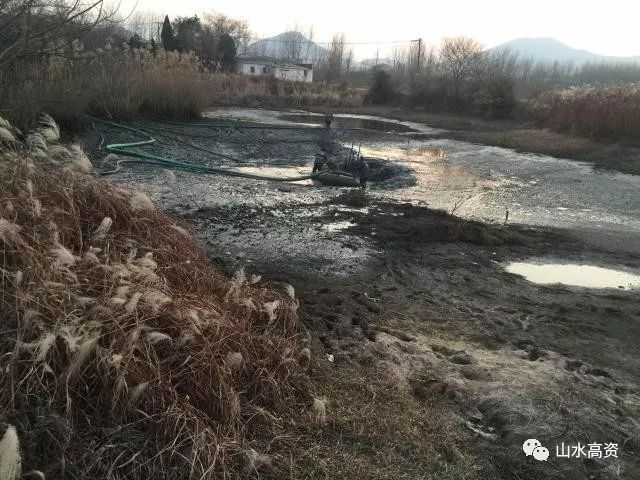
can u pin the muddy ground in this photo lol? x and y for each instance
(436, 362)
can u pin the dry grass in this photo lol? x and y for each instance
(238, 90)
(611, 113)
(121, 82)
(124, 353)
(115, 83)
(375, 429)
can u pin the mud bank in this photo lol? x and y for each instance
(426, 298)
(397, 293)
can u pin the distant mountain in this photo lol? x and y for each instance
(289, 45)
(551, 50)
(368, 63)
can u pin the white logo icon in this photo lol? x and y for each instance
(530, 445)
(541, 454)
(533, 448)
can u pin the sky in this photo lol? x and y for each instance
(606, 27)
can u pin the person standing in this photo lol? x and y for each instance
(328, 118)
(328, 137)
(320, 162)
(363, 172)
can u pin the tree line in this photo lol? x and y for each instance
(214, 37)
(460, 75)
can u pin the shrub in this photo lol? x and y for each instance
(381, 89)
(495, 99)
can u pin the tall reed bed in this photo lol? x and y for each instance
(117, 83)
(610, 113)
(124, 353)
(122, 82)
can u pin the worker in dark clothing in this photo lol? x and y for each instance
(328, 118)
(328, 143)
(363, 172)
(320, 161)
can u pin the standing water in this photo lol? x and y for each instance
(587, 276)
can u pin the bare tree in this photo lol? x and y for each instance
(348, 61)
(291, 47)
(336, 57)
(397, 57)
(219, 24)
(36, 28)
(146, 24)
(460, 56)
(310, 38)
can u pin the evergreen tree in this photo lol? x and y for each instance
(188, 34)
(227, 51)
(167, 36)
(135, 41)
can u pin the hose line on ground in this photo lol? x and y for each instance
(149, 159)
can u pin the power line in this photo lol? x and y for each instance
(301, 42)
(276, 40)
(382, 42)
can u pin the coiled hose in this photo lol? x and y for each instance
(125, 149)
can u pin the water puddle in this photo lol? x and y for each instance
(278, 172)
(402, 153)
(587, 276)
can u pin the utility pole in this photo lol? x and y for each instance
(419, 53)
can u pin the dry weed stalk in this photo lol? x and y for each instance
(120, 83)
(123, 344)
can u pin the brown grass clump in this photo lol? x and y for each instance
(374, 429)
(238, 90)
(124, 354)
(612, 112)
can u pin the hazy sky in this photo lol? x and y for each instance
(608, 27)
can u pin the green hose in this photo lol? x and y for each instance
(149, 159)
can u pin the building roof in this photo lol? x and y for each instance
(255, 59)
(273, 62)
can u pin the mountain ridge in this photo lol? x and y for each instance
(548, 49)
(287, 45)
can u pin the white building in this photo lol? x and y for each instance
(269, 67)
